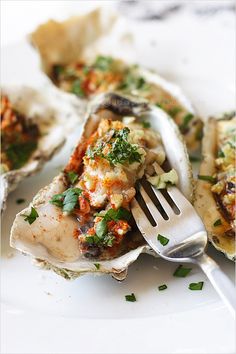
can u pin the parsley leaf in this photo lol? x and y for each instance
(20, 201)
(196, 286)
(146, 124)
(103, 63)
(72, 176)
(77, 88)
(101, 228)
(162, 239)
(162, 287)
(32, 216)
(187, 118)
(130, 298)
(182, 272)
(67, 200)
(97, 265)
(218, 222)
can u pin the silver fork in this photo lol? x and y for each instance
(177, 220)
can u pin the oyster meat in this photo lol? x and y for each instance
(215, 192)
(65, 60)
(34, 126)
(81, 222)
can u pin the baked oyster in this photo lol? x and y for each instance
(63, 48)
(34, 125)
(81, 222)
(215, 193)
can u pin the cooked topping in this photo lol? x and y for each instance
(182, 272)
(18, 137)
(162, 287)
(196, 286)
(161, 181)
(112, 159)
(225, 178)
(162, 239)
(108, 74)
(32, 216)
(130, 298)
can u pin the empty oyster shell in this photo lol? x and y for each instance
(54, 114)
(68, 53)
(215, 192)
(50, 238)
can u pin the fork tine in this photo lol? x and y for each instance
(165, 205)
(150, 205)
(141, 219)
(178, 198)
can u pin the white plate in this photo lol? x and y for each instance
(43, 313)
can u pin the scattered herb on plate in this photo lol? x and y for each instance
(181, 271)
(131, 298)
(97, 265)
(209, 179)
(20, 201)
(162, 287)
(196, 286)
(218, 222)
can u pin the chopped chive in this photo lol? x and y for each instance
(162, 239)
(181, 272)
(162, 287)
(97, 265)
(218, 222)
(130, 298)
(20, 201)
(207, 178)
(196, 286)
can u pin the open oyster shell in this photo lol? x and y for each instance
(50, 241)
(79, 40)
(54, 113)
(221, 230)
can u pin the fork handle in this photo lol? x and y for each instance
(219, 280)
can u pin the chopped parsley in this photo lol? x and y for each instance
(19, 153)
(196, 286)
(121, 150)
(162, 287)
(132, 81)
(106, 240)
(67, 200)
(130, 298)
(20, 201)
(174, 111)
(115, 214)
(218, 222)
(101, 228)
(209, 179)
(162, 239)
(182, 272)
(77, 88)
(187, 118)
(97, 265)
(72, 176)
(146, 124)
(32, 216)
(221, 153)
(103, 63)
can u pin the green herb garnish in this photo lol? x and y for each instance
(187, 118)
(221, 153)
(146, 124)
(174, 111)
(101, 228)
(32, 216)
(20, 201)
(67, 200)
(19, 153)
(162, 287)
(132, 81)
(218, 222)
(130, 298)
(163, 240)
(181, 272)
(209, 179)
(113, 214)
(196, 286)
(103, 63)
(77, 88)
(72, 176)
(97, 265)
